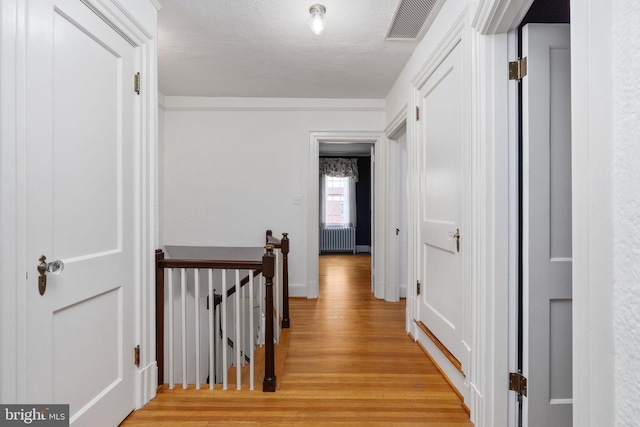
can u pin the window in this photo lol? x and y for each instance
(337, 201)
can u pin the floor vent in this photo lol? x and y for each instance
(412, 19)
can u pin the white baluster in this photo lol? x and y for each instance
(243, 329)
(170, 323)
(212, 333)
(223, 320)
(251, 333)
(238, 343)
(196, 281)
(183, 288)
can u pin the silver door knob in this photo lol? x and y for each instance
(451, 235)
(53, 267)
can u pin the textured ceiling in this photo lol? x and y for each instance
(261, 48)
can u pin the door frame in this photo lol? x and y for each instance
(591, 43)
(396, 129)
(495, 130)
(379, 217)
(139, 27)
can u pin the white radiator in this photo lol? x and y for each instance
(338, 239)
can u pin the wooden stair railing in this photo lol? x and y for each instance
(266, 267)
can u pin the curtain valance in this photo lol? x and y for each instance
(339, 167)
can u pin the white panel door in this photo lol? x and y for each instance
(547, 226)
(80, 209)
(441, 204)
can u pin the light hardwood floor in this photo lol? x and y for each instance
(349, 362)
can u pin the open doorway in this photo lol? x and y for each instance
(372, 141)
(345, 198)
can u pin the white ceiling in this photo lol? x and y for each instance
(260, 48)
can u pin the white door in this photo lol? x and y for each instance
(80, 209)
(547, 226)
(441, 205)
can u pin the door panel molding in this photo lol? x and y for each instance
(457, 37)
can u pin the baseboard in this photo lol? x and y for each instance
(362, 249)
(450, 372)
(146, 382)
(297, 290)
(403, 291)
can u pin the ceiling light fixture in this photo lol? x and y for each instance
(316, 21)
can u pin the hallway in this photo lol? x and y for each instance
(349, 362)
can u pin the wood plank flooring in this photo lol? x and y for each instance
(349, 362)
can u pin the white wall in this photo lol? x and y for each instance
(594, 361)
(626, 210)
(232, 167)
(400, 93)
(160, 174)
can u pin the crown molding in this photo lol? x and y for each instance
(195, 103)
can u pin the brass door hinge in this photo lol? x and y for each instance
(417, 113)
(417, 287)
(518, 383)
(136, 83)
(136, 355)
(518, 69)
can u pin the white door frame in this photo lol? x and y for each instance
(140, 28)
(591, 46)
(494, 139)
(380, 252)
(393, 131)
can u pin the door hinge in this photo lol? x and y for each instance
(417, 113)
(518, 69)
(136, 83)
(417, 287)
(136, 355)
(518, 383)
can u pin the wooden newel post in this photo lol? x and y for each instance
(284, 248)
(268, 270)
(160, 315)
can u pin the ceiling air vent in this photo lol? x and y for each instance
(412, 18)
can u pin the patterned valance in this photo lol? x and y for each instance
(338, 167)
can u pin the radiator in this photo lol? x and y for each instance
(338, 239)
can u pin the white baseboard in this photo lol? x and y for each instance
(297, 290)
(403, 291)
(146, 383)
(361, 249)
(456, 379)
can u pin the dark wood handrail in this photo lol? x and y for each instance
(266, 267)
(271, 240)
(210, 264)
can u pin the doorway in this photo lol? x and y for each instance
(345, 206)
(374, 142)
